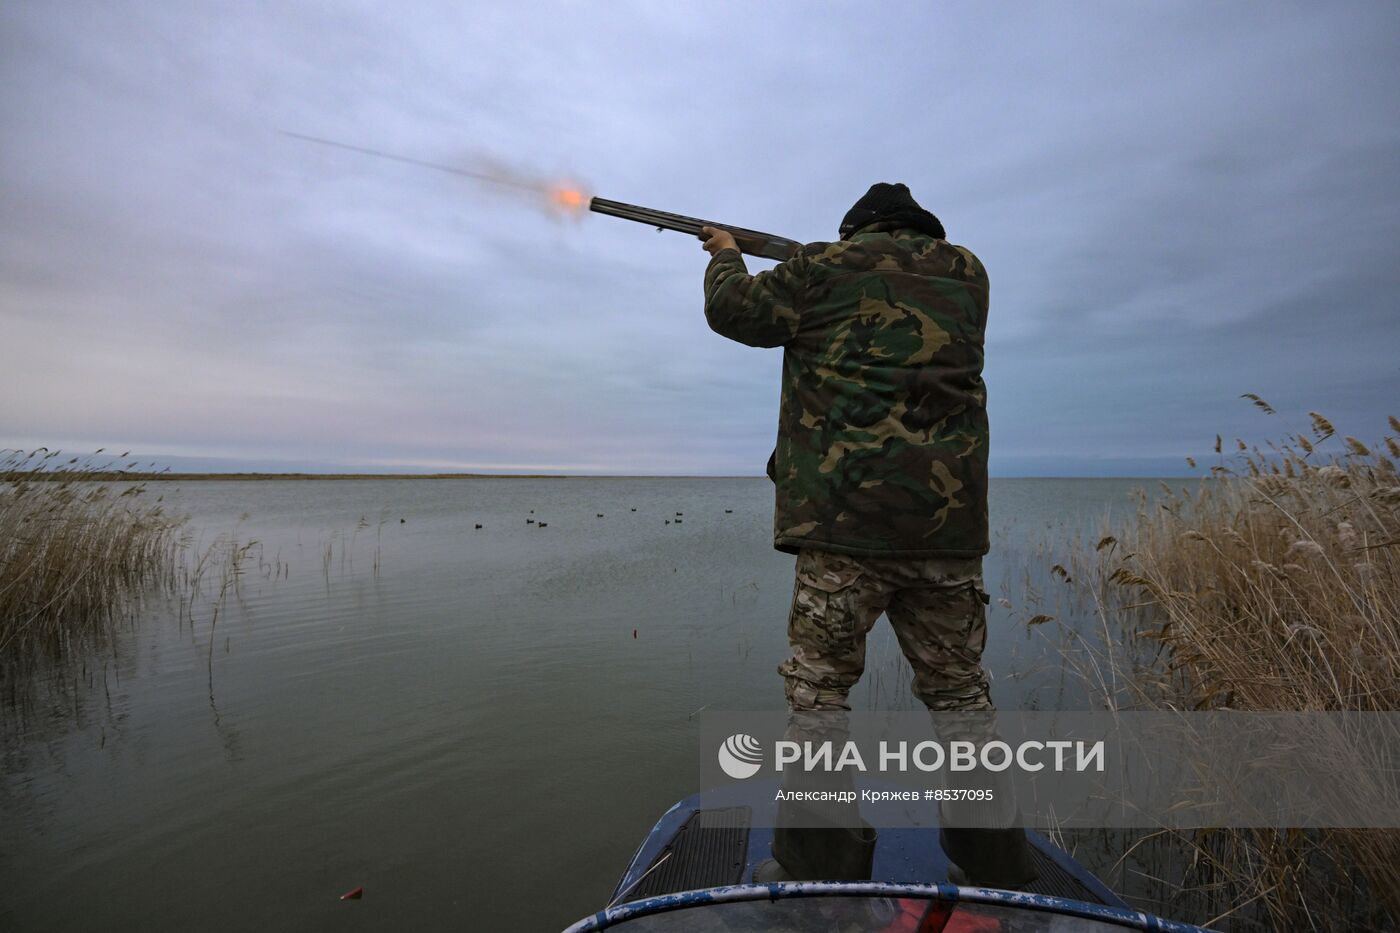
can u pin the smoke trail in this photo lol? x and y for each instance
(559, 197)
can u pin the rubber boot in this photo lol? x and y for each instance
(990, 858)
(836, 853)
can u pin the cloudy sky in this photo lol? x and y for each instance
(1177, 203)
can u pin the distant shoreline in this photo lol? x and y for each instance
(116, 476)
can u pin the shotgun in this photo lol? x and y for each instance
(752, 242)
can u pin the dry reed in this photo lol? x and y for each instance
(75, 554)
(1272, 585)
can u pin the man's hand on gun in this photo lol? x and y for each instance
(713, 240)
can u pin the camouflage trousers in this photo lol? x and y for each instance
(937, 607)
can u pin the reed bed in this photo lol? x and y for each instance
(1273, 584)
(76, 554)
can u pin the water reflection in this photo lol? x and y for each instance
(394, 698)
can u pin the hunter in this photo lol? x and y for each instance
(880, 471)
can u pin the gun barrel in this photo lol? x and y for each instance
(753, 242)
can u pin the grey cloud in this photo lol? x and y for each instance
(1176, 204)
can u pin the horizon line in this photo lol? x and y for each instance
(253, 475)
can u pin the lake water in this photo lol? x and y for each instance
(459, 720)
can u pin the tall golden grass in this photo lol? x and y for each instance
(1274, 584)
(75, 554)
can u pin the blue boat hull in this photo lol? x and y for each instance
(902, 855)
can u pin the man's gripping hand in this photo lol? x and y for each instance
(715, 240)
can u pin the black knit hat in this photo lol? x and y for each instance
(886, 202)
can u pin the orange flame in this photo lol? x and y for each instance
(568, 199)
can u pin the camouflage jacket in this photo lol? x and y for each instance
(882, 432)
